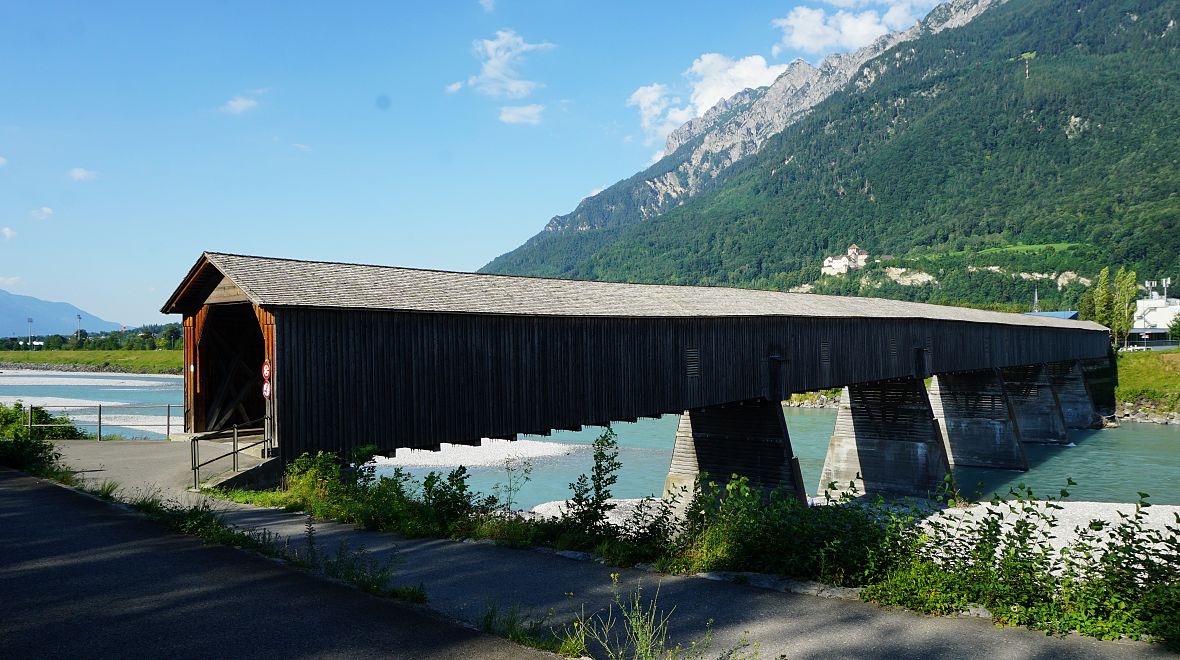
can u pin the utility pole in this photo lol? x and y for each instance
(1167, 281)
(30, 333)
(78, 334)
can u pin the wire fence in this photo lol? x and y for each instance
(117, 418)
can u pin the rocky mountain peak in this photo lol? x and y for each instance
(739, 126)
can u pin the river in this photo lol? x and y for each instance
(1111, 465)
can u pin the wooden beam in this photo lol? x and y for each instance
(226, 292)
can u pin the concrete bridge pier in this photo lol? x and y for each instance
(886, 441)
(976, 419)
(747, 438)
(1035, 405)
(1077, 406)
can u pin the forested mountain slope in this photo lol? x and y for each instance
(942, 146)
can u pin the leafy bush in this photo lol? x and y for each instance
(33, 452)
(743, 529)
(1109, 583)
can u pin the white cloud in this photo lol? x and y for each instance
(488, 5)
(454, 87)
(43, 213)
(83, 174)
(500, 56)
(3, 161)
(299, 146)
(712, 77)
(7, 233)
(659, 112)
(856, 23)
(239, 104)
(715, 77)
(522, 114)
(596, 191)
(10, 280)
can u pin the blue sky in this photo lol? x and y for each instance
(135, 135)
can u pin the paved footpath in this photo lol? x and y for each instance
(462, 579)
(80, 578)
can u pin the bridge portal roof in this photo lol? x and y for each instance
(275, 282)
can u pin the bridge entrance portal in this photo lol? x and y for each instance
(228, 381)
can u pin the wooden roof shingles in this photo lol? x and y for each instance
(274, 282)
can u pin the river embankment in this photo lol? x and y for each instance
(95, 361)
(78, 368)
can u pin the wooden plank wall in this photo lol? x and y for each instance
(193, 396)
(346, 378)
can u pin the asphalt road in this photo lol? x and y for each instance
(80, 578)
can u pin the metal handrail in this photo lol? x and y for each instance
(167, 424)
(195, 448)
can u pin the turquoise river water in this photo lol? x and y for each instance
(1111, 465)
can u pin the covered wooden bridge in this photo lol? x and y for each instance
(398, 357)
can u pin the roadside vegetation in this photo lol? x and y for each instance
(157, 361)
(35, 453)
(1116, 581)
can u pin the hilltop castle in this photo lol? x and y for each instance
(856, 257)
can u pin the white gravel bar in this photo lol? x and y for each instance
(492, 453)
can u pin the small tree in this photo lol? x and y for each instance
(1126, 289)
(1174, 329)
(591, 503)
(1101, 298)
(171, 334)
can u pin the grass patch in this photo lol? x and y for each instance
(135, 362)
(1150, 376)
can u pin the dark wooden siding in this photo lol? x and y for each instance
(346, 378)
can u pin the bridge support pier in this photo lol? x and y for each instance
(1035, 404)
(748, 438)
(977, 423)
(1077, 406)
(886, 441)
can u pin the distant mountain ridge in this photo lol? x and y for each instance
(49, 318)
(1039, 136)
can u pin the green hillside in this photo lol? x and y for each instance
(944, 158)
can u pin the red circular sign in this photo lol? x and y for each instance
(266, 390)
(266, 370)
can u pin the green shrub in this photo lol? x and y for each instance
(1112, 581)
(743, 529)
(34, 453)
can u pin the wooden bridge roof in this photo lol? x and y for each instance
(273, 282)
